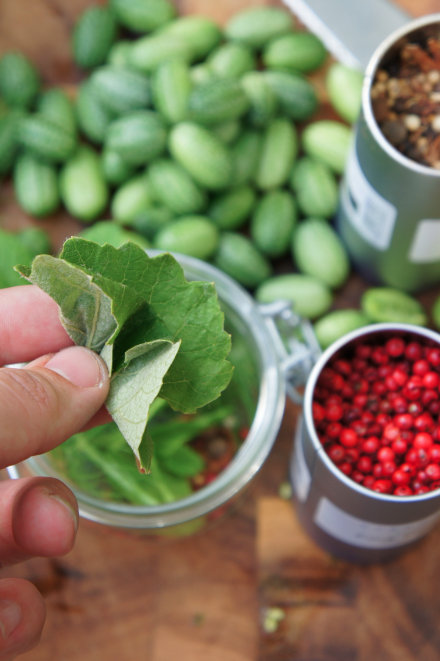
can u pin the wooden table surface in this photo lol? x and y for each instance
(119, 596)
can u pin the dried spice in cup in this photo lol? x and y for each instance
(405, 98)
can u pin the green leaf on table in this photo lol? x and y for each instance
(160, 335)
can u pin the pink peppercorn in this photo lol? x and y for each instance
(376, 408)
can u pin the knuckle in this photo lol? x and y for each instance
(26, 403)
(26, 389)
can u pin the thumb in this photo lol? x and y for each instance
(46, 402)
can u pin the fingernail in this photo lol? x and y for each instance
(66, 506)
(10, 617)
(80, 366)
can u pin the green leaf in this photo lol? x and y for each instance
(85, 309)
(173, 434)
(180, 310)
(160, 335)
(185, 462)
(135, 387)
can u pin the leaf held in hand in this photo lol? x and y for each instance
(159, 334)
(136, 386)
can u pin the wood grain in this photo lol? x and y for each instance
(121, 596)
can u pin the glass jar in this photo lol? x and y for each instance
(261, 335)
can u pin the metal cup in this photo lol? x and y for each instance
(389, 214)
(344, 518)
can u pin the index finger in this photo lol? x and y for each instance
(29, 325)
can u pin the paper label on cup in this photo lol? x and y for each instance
(426, 244)
(365, 534)
(370, 214)
(300, 473)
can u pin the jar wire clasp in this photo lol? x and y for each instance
(299, 348)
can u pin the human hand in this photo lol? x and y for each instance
(61, 390)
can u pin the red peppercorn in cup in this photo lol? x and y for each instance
(366, 463)
(376, 412)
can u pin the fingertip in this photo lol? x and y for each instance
(80, 366)
(22, 616)
(44, 404)
(45, 518)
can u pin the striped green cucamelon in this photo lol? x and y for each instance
(137, 137)
(231, 60)
(193, 235)
(273, 222)
(171, 86)
(151, 220)
(336, 323)
(238, 257)
(231, 209)
(46, 139)
(298, 51)
(245, 154)
(328, 141)
(202, 154)
(83, 188)
(174, 187)
(36, 185)
(148, 52)
(199, 33)
(278, 153)
(344, 89)
(19, 80)
(216, 101)
(121, 91)
(56, 106)
(262, 98)
(318, 250)
(309, 296)
(143, 15)
(93, 118)
(295, 93)
(93, 35)
(387, 304)
(131, 198)
(256, 26)
(316, 188)
(116, 170)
